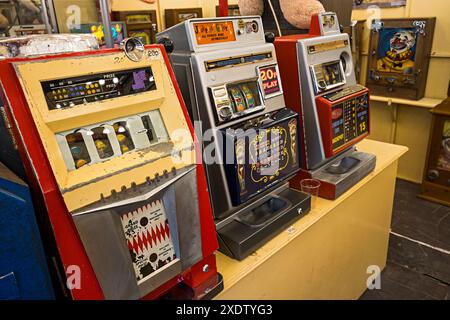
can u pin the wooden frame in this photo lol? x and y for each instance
(175, 16)
(399, 57)
(140, 24)
(233, 10)
(356, 33)
(436, 181)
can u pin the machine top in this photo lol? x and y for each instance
(205, 34)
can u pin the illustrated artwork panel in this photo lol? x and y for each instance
(397, 50)
(148, 238)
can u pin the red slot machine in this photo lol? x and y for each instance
(320, 84)
(108, 146)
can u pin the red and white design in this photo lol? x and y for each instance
(148, 237)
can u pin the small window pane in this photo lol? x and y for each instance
(102, 143)
(78, 149)
(123, 136)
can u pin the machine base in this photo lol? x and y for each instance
(252, 227)
(336, 184)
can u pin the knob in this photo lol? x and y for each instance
(167, 43)
(270, 37)
(433, 174)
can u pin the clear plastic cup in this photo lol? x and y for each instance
(312, 187)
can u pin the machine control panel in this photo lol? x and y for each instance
(347, 117)
(66, 93)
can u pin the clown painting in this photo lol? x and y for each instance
(397, 50)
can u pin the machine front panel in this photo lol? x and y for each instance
(265, 154)
(346, 113)
(100, 142)
(326, 69)
(240, 85)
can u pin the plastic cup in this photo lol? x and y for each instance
(312, 187)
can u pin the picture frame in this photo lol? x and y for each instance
(356, 33)
(436, 181)
(399, 57)
(175, 16)
(140, 24)
(233, 10)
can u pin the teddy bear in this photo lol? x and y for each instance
(297, 13)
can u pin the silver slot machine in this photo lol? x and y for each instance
(228, 74)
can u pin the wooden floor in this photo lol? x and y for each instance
(419, 250)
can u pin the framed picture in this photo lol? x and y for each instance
(436, 183)
(140, 24)
(364, 4)
(233, 10)
(175, 16)
(118, 30)
(144, 35)
(399, 57)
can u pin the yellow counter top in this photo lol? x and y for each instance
(240, 275)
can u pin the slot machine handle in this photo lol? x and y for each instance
(270, 37)
(167, 43)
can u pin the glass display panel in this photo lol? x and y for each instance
(244, 96)
(123, 136)
(66, 93)
(78, 149)
(102, 143)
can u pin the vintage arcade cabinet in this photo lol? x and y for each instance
(106, 140)
(229, 79)
(320, 84)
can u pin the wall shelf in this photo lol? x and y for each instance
(428, 103)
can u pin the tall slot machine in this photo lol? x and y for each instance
(229, 78)
(107, 143)
(320, 84)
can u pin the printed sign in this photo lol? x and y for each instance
(270, 80)
(148, 237)
(214, 32)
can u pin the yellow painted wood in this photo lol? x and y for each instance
(428, 103)
(325, 255)
(85, 185)
(412, 123)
